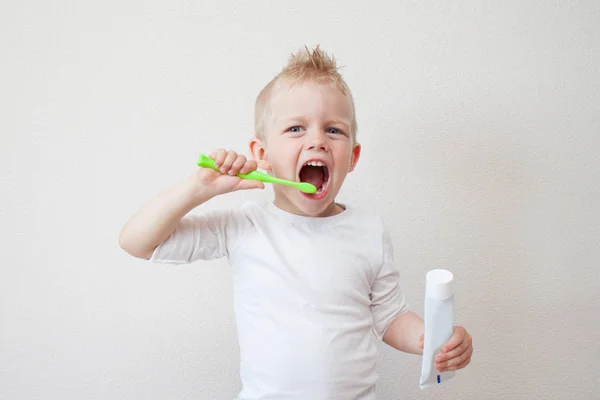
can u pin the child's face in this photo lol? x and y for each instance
(308, 123)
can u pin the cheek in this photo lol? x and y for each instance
(278, 161)
(283, 152)
(344, 159)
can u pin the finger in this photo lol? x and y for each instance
(455, 340)
(213, 153)
(263, 164)
(457, 351)
(219, 156)
(460, 366)
(246, 184)
(238, 163)
(250, 166)
(455, 361)
(460, 359)
(229, 159)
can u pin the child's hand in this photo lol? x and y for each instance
(230, 164)
(456, 353)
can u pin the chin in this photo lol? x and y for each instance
(317, 204)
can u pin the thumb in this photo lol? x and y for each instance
(246, 184)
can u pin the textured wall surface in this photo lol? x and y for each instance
(480, 123)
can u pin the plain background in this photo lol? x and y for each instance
(480, 125)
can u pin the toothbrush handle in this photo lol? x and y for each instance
(207, 162)
(261, 176)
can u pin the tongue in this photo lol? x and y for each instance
(313, 175)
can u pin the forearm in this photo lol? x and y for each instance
(157, 220)
(404, 333)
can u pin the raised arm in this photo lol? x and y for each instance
(157, 220)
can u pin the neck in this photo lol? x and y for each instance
(332, 209)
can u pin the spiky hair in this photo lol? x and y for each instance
(306, 65)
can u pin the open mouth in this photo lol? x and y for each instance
(316, 173)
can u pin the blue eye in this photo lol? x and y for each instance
(334, 131)
(295, 129)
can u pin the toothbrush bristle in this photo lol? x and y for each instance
(308, 188)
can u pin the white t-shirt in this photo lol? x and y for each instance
(308, 293)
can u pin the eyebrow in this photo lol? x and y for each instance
(339, 122)
(302, 118)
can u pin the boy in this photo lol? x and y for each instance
(312, 277)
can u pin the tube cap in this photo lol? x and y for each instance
(438, 284)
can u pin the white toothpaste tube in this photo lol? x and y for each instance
(439, 320)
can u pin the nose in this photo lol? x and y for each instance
(317, 141)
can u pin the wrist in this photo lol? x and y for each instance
(196, 192)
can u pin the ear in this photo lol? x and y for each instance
(354, 157)
(259, 152)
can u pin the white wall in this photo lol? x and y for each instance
(480, 123)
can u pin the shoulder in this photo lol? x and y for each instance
(370, 227)
(366, 219)
(254, 214)
(252, 210)
(375, 227)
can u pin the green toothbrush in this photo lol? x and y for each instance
(207, 162)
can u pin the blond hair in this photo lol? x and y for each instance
(305, 66)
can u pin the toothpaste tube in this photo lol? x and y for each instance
(439, 319)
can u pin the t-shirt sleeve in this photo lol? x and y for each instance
(387, 298)
(208, 236)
